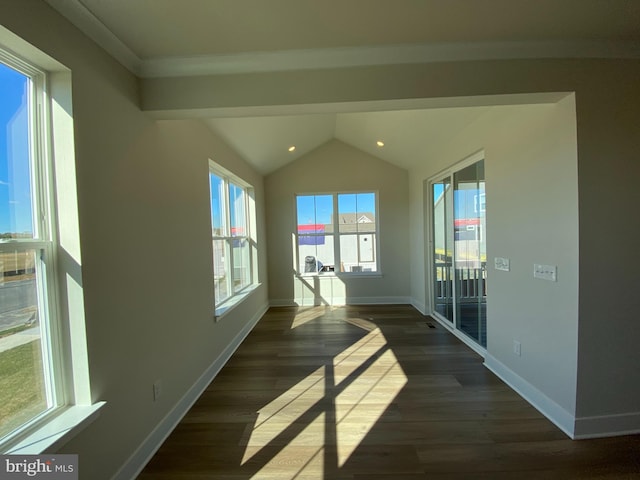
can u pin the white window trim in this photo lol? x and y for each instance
(66, 333)
(222, 308)
(336, 237)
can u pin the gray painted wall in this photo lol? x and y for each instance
(532, 217)
(138, 180)
(607, 97)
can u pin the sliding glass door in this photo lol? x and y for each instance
(460, 250)
(443, 247)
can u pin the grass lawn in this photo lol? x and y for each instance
(22, 393)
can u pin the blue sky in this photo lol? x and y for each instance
(215, 184)
(469, 202)
(318, 209)
(237, 215)
(15, 190)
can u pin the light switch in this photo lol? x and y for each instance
(545, 272)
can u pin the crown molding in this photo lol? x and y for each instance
(79, 15)
(255, 62)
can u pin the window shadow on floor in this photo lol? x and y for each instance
(370, 392)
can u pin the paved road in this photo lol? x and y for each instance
(17, 339)
(18, 300)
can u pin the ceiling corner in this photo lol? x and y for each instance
(91, 26)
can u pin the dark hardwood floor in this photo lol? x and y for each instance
(371, 393)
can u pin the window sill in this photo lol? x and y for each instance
(340, 275)
(222, 310)
(59, 430)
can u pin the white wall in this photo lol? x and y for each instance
(532, 217)
(338, 167)
(145, 235)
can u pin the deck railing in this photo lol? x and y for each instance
(471, 282)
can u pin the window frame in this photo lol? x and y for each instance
(58, 237)
(44, 244)
(337, 236)
(235, 294)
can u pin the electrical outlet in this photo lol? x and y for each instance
(157, 390)
(517, 348)
(500, 263)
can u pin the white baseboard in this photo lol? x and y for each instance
(339, 301)
(421, 307)
(280, 302)
(607, 425)
(574, 427)
(136, 462)
(564, 420)
(378, 300)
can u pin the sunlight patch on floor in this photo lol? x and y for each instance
(363, 402)
(277, 416)
(352, 358)
(336, 405)
(305, 316)
(305, 453)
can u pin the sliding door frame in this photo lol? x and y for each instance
(430, 244)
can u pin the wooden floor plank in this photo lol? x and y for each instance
(371, 392)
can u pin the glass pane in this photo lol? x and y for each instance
(347, 213)
(218, 222)
(357, 253)
(306, 210)
(315, 210)
(367, 251)
(443, 248)
(315, 226)
(241, 265)
(221, 276)
(22, 370)
(357, 212)
(237, 211)
(349, 253)
(16, 218)
(470, 251)
(316, 253)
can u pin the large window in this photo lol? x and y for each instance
(233, 237)
(29, 386)
(337, 233)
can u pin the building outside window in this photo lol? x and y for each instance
(233, 235)
(337, 232)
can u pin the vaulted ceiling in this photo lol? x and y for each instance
(187, 37)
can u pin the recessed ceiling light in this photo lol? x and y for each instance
(380, 143)
(292, 148)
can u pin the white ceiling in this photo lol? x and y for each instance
(406, 133)
(179, 37)
(162, 28)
